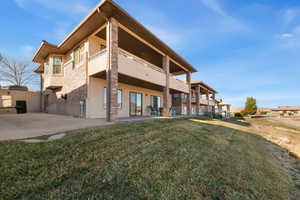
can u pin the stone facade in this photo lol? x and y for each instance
(189, 98)
(112, 70)
(166, 98)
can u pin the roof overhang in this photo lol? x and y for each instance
(204, 86)
(95, 19)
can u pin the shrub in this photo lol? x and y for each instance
(238, 115)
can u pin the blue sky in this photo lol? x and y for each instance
(240, 47)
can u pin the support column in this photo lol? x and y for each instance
(189, 96)
(207, 99)
(198, 100)
(166, 95)
(112, 70)
(228, 111)
(213, 107)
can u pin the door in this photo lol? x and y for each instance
(21, 107)
(136, 104)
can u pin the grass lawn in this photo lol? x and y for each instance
(161, 159)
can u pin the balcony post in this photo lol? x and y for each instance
(112, 70)
(207, 99)
(189, 99)
(166, 93)
(198, 100)
(213, 107)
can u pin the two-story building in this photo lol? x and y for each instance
(111, 66)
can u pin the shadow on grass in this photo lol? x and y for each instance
(239, 121)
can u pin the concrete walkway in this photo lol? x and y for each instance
(14, 126)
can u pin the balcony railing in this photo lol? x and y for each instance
(97, 62)
(53, 81)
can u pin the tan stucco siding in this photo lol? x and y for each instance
(95, 101)
(8, 98)
(135, 67)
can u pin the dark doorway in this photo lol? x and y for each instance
(21, 107)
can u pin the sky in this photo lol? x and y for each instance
(240, 47)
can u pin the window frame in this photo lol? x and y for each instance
(54, 65)
(120, 105)
(80, 50)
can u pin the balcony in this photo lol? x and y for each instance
(136, 67)
(53, 81)
(97, 62)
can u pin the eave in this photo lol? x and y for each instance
(98, 17)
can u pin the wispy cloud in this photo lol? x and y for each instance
(287, 35)
(290, 40)
(227, 21)
(26, 51)
(290, 14)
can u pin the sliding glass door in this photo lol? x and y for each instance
(136, 104)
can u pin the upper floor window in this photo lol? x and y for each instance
(57, 65)
(79, 56)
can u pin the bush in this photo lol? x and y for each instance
(217, 116)
(238, 115)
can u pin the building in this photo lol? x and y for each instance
(285, 111)
(12, 98)
(110, 66)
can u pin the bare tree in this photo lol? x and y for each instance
(16, 72)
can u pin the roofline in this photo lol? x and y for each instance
(82, 22)
(206, 85)
(96, 9)
(43, 43)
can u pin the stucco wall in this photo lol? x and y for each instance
(8, 98)
(95, 101)
(74, 88)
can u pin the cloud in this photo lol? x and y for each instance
(287, 35)
(226, 21)
(174, 38)
(290, 40)
(27, 51)
(289, 15)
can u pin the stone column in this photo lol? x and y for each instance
(189, 98)
(213, 107)
(112, 70)
(42, 93)
(228, 111)
(207, 99)
(198, 100)
(166, 94)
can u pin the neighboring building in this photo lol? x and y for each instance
(286, 111)
(110, 66)
(203, 101)
(12, 97)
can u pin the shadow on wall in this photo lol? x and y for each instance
(72, 103)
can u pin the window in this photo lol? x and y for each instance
(120, 97)
(79, 56)
(156, 102)
(57, 65)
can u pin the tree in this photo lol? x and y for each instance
(16, 72)
(250, 106)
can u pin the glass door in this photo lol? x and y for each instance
(136, 104)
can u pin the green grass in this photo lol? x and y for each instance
(161, 159)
